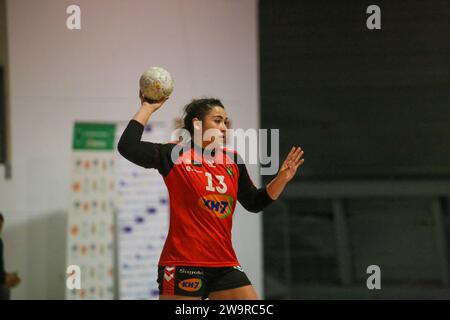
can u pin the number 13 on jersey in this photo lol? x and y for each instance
(222, 188)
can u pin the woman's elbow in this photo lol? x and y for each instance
(125, 149)
(122, 148)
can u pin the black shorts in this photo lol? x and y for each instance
(199, 281)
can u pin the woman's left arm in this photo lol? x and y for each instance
(287, 171)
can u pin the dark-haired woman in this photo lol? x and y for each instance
(198, 260)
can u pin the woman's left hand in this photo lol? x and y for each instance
(290, 165)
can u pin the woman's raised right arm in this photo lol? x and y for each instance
(143, 153)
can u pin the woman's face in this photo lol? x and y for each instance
(216, 119)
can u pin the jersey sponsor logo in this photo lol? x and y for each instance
(191, 272)
(218, 204)
(190, 285)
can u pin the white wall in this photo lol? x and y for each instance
(58, 76)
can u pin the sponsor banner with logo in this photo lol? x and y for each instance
(90, 233)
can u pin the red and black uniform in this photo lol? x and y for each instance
(203, 191)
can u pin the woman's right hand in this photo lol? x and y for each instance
(151, 104)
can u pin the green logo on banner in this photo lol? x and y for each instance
(94, 136)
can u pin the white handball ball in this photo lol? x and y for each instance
(156, 84)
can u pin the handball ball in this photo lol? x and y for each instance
(156, 84)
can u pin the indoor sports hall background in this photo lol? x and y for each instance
(369, 107)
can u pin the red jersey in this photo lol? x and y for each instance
(203, 191)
